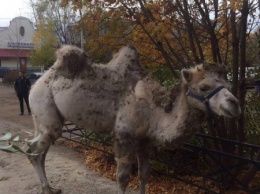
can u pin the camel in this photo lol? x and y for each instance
(121, 99)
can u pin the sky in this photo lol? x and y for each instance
(10, 9)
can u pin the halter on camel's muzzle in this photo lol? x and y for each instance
(206, 99)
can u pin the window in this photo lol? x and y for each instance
(22, 31)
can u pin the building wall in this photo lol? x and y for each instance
(9, 62)
(17, 36)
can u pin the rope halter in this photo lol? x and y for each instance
(205, 99)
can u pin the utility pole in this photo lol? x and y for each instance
(81, 32)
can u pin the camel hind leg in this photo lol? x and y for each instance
(40, 148)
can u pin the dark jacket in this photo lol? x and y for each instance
(22, 86)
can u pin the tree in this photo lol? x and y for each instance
(63, 19)
(45, 44)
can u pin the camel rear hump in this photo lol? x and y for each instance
(126, 63)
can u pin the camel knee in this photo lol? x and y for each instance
(144, 167)
(123, 178)
(124, 145)
(124, 165)
(46, 139)
(52, 133)
(144, 172)
(123, 172)
(56, 133)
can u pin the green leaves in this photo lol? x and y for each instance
(6, 148)
(7, 136)
(11, 144)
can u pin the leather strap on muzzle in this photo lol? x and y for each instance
(205, 99)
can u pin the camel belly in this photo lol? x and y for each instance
(93, 109)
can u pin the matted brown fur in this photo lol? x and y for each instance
(73, 59)
(199, 71)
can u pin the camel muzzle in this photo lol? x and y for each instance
(205, 99)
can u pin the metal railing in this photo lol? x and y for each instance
(211, 167)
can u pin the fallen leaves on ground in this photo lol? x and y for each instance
(157, 184)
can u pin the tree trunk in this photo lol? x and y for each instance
(242, 89)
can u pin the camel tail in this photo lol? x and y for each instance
(72, 58)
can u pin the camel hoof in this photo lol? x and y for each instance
(55, 191)
(50, 190)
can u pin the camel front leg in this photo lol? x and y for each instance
(143, 164)
(124, 147)
(123, 173)
(38, 161)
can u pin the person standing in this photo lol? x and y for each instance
(22, 87)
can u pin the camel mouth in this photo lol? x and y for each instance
(229, 113)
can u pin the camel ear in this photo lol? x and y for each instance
(186, 74)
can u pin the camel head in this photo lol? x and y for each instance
(207, 90)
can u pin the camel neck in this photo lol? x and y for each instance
(182, 122)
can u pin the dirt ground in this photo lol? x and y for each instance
(65, 168)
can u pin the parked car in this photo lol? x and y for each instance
(33, 69)
(34, 76)
(250, 76)
(3, 70)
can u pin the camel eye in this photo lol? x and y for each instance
(204, 88)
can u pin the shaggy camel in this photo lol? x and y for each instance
(121, 99)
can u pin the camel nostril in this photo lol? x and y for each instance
(232, 101)
(234, 104)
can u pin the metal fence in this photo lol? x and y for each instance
(224, 169)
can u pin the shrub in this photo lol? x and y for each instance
(10, 76)
(252, 114)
